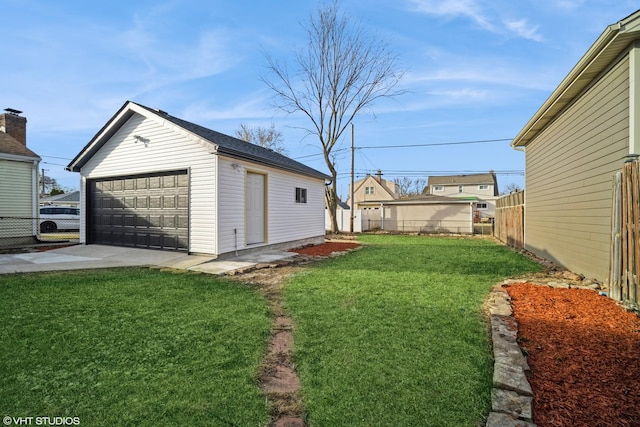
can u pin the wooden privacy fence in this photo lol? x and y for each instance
(624, 263)
(509, 219)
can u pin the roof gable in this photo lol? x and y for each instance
(217, 142)
(372, 180)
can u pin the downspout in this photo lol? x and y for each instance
(471, 216)
(634, 98)
(35, 212)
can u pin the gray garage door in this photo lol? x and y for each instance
(144, 211)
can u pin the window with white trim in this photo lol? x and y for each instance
(438, 188)
(369, 190)
(301, 195)
(483, 187)
(460, 188)
(481, 206)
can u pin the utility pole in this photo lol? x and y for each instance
(43, 180)
(351, 208)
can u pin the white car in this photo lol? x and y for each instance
(53, 218)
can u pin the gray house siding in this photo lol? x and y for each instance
(570, 166)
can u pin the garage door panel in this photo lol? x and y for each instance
(149, 211)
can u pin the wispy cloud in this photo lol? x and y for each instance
(454, 8)
(522, 29)
(488, 16)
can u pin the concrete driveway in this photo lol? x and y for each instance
(80, 257)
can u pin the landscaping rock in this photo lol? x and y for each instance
(510, 377)
(497, 419)
(569, 275)
(503, 327)
(511, 403)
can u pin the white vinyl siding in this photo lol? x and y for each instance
(289, 220)
(458, 190)
(164, 149)
(570, 167)
(231, 224)
(286, 220)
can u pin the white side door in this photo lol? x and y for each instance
(255, 208)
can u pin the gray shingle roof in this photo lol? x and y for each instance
(226, 144)
(241, 149)
(480, 178)
(9, 145)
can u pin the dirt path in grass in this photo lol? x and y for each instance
(584, 354)
(278, 378)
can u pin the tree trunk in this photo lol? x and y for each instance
(332, 202)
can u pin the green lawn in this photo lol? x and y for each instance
(132, 347)
(394, 335)
(390, 335)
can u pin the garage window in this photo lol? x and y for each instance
(301, 195)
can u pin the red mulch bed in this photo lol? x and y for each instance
(584, 354)
(325, 249)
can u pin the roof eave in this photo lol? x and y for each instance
(580, 76)
(99, 139)
(244, 156)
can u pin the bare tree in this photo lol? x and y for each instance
(270, 137)
(342, 72)
(419, 185)
(510, 188)
(403, 185)
(410, 187)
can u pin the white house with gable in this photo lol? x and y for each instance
(152, 180)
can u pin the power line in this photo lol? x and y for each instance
(432, 144)
(54, 157)
(437, 144)
(420, 173)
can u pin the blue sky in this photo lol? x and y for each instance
(474, 71)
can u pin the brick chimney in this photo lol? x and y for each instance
(13, 124)
(379, 176)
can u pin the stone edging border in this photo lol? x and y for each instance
(511, 396)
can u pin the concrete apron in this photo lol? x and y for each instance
(81, 257)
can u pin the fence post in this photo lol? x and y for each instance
(615, 258)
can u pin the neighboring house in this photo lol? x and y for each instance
(425, 214)
(480, 188)
(71, 199)
(18, 180)
(574, 144)
(152, 180)
(372, 188)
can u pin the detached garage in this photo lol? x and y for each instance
(423, 214)
(151, 180)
